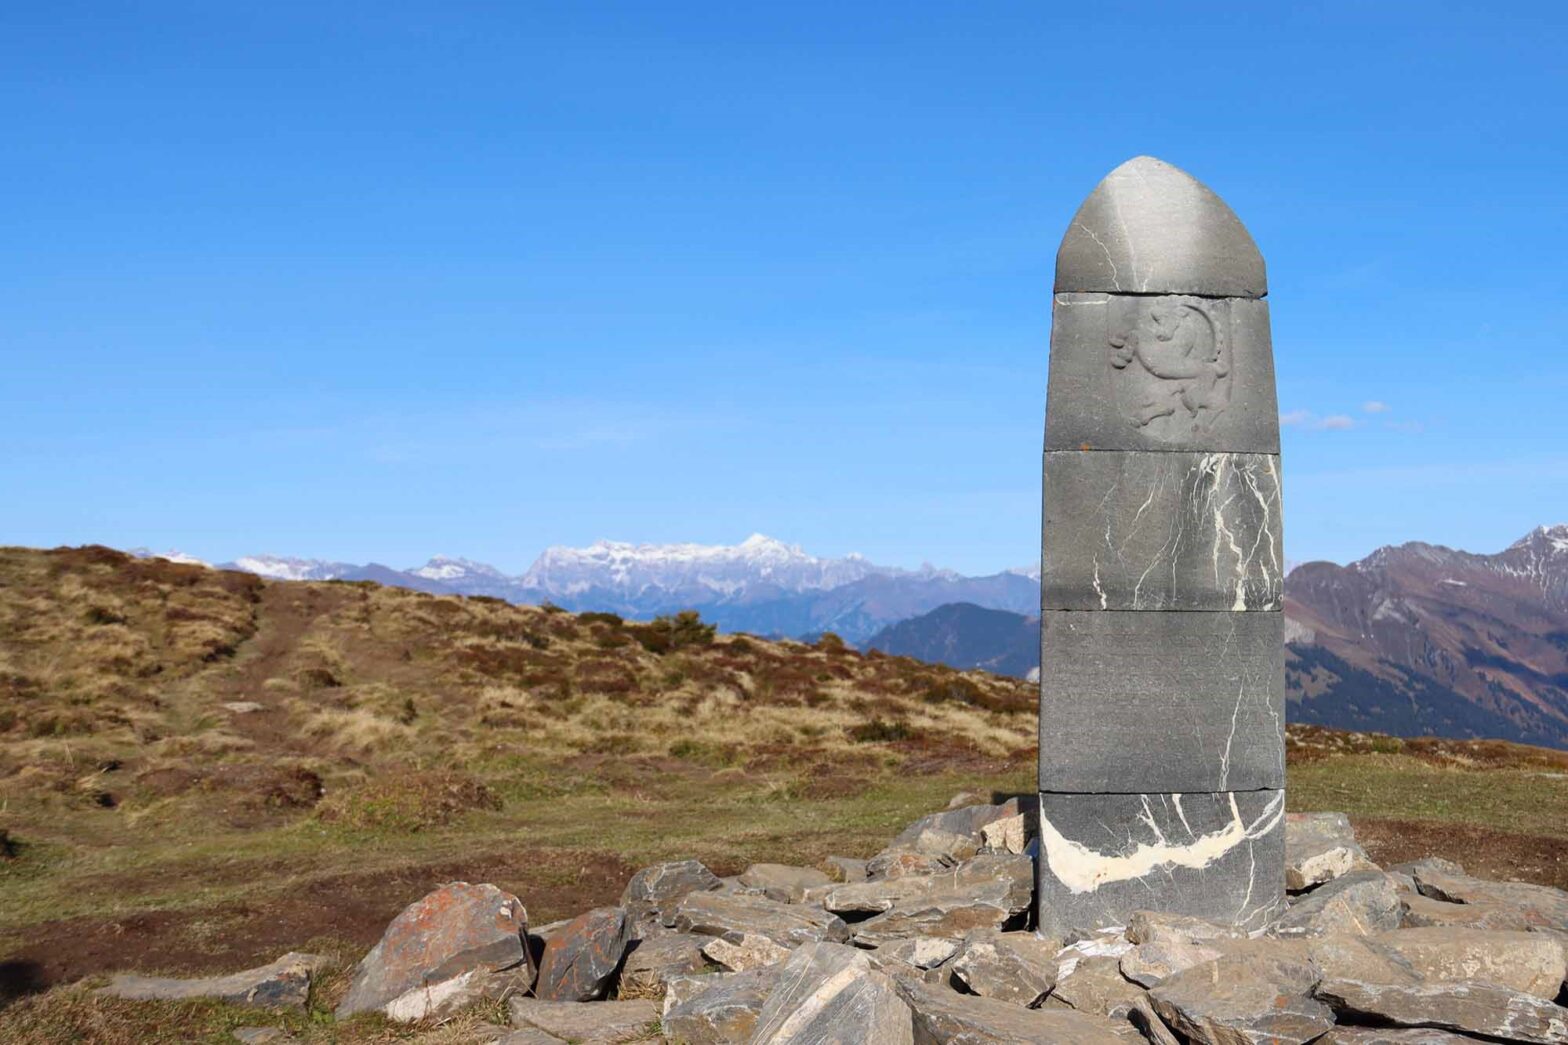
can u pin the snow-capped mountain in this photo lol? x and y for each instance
(284, 568)
(172, 555)
(724, 570)
(448, 568)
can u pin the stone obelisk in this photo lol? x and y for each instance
(1162, 655)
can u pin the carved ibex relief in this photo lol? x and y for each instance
(1171, 362)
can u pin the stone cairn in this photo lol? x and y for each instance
(931, 941)
(1154, 890)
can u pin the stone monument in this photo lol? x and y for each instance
(1162, 654)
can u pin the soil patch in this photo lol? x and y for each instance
(1481, 851)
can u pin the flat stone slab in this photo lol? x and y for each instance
(1161, 531)
(788, 925)
(1205, 855)
(1161, 373)
(943, 1016)
(717, 1009)
(598, 1022)
(1145, 703)
(1151, 228)
(1469, 1008)
(828, 992)
(283, 984)
(1257, 996)
(1359, 903)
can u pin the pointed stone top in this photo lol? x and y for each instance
(1150, 228)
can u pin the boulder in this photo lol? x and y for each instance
(1469, 1008)
(945, 1017)
(438, 950)
(1320, 847)
(828, 992)
(966, 821)
(1259, 993)
(1018, 967)
(844, 869)
(653, 890)
(1358, 902)
(1420, 912)
(717, 1009)
(783, 882)
(1538, 905)
(600, 1022)
(581, 960)
(788, 925)
(1093, 984)
(282, 984)
(1007, 835)
(1529, 962)
(655, 960)
(745, 951)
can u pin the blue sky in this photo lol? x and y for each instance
(373, 281)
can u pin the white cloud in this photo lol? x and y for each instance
(1312, 422)
(1375, 406)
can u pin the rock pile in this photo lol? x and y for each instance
(930, 941)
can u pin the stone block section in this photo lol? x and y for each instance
(1171, 372)
(1150, 228)
(1145, 703)
(1209, 856)
(1161, 531)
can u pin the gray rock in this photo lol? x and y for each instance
(1387, 1036)
(965, 821)
(600, 1022)
(828, 992)
(1101, 382)
(1470, 1008)
(1214, 682)
(1164, 926)
(901, 863)
(281, 984)
(945, 1017)
(1203, 855)
(1320, 847)
(1359, 902)
(1150, 963)
(1194, 530)
(991, 891)
(580, 961)
(782, 882)
(655, 889)
(1008, 835)
(717, 1010)
(655, 960)
(1418, 912)
(1017, 967)
(1148, 1021)
(920, 952)
(1538, 905)
(745, 951)
(1094, 985)
(1151, 228)
(438, 951)
(844, 869)
(1522, 961)
(788, 925)
(1347, 956)
(1261, 994)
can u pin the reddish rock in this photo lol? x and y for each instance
(580, 961)
(451, 934)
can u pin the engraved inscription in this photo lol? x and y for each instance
(1171, 363)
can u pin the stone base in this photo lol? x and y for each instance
(1219, 857)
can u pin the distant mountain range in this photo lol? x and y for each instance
(761, 585)
(1412, 640)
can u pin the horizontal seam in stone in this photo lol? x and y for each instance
(1167, 294)
(1155, 450)
(1232, 791)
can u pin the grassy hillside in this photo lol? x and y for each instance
(200, 770)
